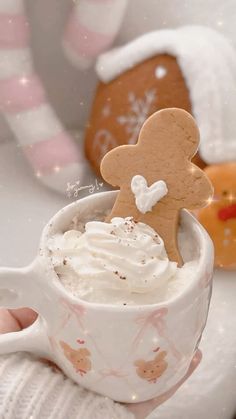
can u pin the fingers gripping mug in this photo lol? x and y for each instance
(129, 354)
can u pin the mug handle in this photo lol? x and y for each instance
(24, 287)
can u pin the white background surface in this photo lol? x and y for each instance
(71, 90)
(26, 206)
(210, 393)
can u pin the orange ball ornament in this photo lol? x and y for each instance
(219, 218)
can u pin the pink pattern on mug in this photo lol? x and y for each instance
(156, 319)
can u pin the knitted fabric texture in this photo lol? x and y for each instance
(30, 389)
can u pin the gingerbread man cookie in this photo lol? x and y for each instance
(167, 142)
(219, 218)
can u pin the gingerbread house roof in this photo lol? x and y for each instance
(208, 62)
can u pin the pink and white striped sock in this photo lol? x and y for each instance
(91, 29)
(23, 101)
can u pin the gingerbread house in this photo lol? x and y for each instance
(193, 68)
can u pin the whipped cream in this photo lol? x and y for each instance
(117, 262)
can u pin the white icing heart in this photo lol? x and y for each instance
(146, 197)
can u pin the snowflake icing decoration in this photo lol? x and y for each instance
(140, 109)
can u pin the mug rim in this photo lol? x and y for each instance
(205, 258)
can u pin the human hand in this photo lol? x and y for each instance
(15, 320)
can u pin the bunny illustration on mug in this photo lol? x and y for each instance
(152, 370)
(79, 358)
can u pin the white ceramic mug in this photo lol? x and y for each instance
(128, 353)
